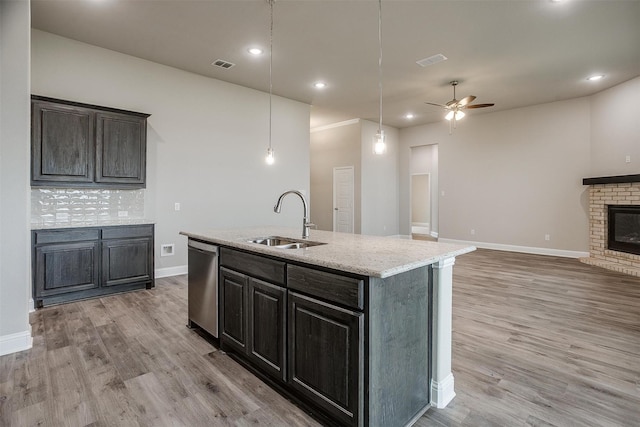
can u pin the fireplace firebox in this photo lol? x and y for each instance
(624, 229)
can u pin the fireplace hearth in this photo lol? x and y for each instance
(624, 229)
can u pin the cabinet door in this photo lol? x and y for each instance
(233, 309)
(120, 148)
(325, 356)
(66, 267)
(126, 261)
(267, 327)
(62, 147)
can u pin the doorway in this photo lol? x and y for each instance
(343, 195)
(423, 191)
(421, 203)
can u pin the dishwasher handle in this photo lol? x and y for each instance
(207, 247)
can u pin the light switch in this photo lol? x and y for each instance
(176, 206)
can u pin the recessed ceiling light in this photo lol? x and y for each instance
(409, 116)
(255, 51)
(595, 78)
(319, 85)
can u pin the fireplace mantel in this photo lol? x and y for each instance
(620, 179)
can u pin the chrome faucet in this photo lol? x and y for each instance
(305, 221)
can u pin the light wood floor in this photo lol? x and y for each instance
(538, 341)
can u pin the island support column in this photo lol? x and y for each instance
(442, 382)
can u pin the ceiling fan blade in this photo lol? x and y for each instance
(466, 100)
(480, 105)
(437, 105)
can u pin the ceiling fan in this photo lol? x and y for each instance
(455, 106)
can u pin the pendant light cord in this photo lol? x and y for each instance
(270, 68)
(380, 58)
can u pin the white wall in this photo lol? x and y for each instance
(615, 130)
(206, 139)
(15, 119)
(512, 176)
(380, 202)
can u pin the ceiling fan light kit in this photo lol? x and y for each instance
(454, 107)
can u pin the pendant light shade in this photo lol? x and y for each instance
(270, 159)
(379, 142)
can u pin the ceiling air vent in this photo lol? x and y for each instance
(222, 64)
(434, 59)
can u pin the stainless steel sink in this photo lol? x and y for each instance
(271, 241)
(284, 242)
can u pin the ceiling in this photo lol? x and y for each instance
(513, 53)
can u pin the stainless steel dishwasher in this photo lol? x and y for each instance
(203, 286)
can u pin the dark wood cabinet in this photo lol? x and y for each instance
(66, 267)
(62, 143)
(267, 327)
(82, 145)
(121, 146)
(326, 355)
(126, 260)
(233, 309)
(76, 263)
(252, 311)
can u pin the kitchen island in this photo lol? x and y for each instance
(356, 327)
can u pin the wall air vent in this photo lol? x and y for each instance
(434, 59)
(222, 64)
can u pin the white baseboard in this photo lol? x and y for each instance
(442, 392)
(14, 343)
(434, 234)
(170, 271)
(522, 249)
(421, 229)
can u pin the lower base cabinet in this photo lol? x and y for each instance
(76, 263)
(253, 322)
(325, 355)
(267, 327)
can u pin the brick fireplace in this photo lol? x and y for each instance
(605, 191)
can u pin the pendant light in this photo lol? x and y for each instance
(379, 139)
(270, 159)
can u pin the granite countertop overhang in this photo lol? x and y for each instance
(365, 255)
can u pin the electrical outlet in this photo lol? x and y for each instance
(167, 249)
(442, 193)
(176, 206)
(547, 237)
(627, 159)
(473, 231)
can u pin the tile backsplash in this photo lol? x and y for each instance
(71, 206)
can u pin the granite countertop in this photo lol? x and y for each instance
(90, 223)
(354, 253)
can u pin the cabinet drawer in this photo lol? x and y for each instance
(253, 265)
(124, 232)
(63, 236)
(344, 290)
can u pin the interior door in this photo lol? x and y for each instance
(343, 183)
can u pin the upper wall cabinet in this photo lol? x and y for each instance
(80, 145)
